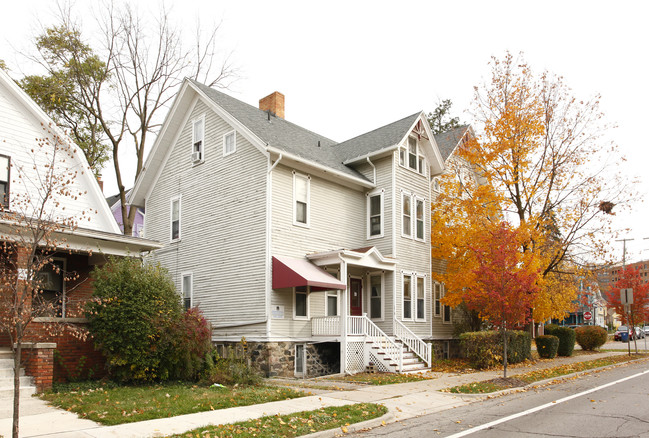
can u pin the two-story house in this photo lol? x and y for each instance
(318, 252)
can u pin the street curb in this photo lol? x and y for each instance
(540, 382)
(369, 424)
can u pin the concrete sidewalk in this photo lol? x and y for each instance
(403, 401)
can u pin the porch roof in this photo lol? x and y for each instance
(290, 272)
(369, 257)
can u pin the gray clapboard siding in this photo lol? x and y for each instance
(413, 255)
(223, 224)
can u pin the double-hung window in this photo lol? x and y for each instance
(375, 215)
(198, 139)
(301, 195)
(419, 219)
(376, 295)
(229, 143)
(406, 215)
(407, 297)
(437, 297)
(410, 157)
(420, 313)
(332, 303)
(187, 289)
(175, 219)
(412, 153)
(5, 162)
(301, 303)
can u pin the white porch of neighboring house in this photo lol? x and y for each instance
(385, 342)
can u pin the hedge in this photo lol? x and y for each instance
(547, 346)
(484, 349)
(566, 337)
(591, 337)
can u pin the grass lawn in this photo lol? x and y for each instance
(111, 404)
(535, 376)
(291, 425)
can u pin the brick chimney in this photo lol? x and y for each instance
(274, 103)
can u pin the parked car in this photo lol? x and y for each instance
(645, 329)
(639, 333)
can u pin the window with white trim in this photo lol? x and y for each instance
(446, 314)
(376, 296)
(175, 219)
(300, 360)
(229, 143)
(410, 156)
(420, 304)
(301, 303)
(332, 302)
(436, 187)
(406, 215)
(419, 219)
(407, 297)
(187, 286)
(5, 166)
(375, 215)
(198, 139)
(301, 195)
(437, 297)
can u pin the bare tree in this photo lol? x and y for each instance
(33, 226)
(136, 71)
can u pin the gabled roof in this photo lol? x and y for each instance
(279, 133)
(448, 141)
(376, 140)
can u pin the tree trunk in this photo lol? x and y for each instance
(504, 352)
(16, 414)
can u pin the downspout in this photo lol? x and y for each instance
(373, 169)
(269, 220)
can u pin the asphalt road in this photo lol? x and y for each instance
(620, 409)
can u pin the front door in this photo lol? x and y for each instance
(355, 296)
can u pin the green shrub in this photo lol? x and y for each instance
(547, 346)
(591, 337)
(484, 349)
(133, 305)
(566, 337)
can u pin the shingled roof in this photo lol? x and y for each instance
(281, 134)
(376, 140)
(447, 141)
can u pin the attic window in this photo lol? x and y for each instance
(410, 157)
(198, 134)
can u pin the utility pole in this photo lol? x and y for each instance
(628, 307)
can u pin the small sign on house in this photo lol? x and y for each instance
(277, 312)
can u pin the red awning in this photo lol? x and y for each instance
(290, 272)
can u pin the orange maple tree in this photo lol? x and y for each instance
(540, 162)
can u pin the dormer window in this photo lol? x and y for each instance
(4, 181)
(410, 156)
(198, 135)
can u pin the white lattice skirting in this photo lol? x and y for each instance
(355, 360)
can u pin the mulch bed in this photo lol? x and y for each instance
(509, 382)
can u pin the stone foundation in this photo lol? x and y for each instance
(446, 349)
(278, 358)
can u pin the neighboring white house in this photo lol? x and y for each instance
(318, 252)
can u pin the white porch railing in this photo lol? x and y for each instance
(381, 341)
(325, 326)
(414, 343)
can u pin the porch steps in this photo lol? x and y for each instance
(411, 362)
(27, 387)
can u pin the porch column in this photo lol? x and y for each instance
(343, 318)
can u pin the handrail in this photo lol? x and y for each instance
(414, 342)
(378, 338)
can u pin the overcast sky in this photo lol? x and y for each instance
(349, 67)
